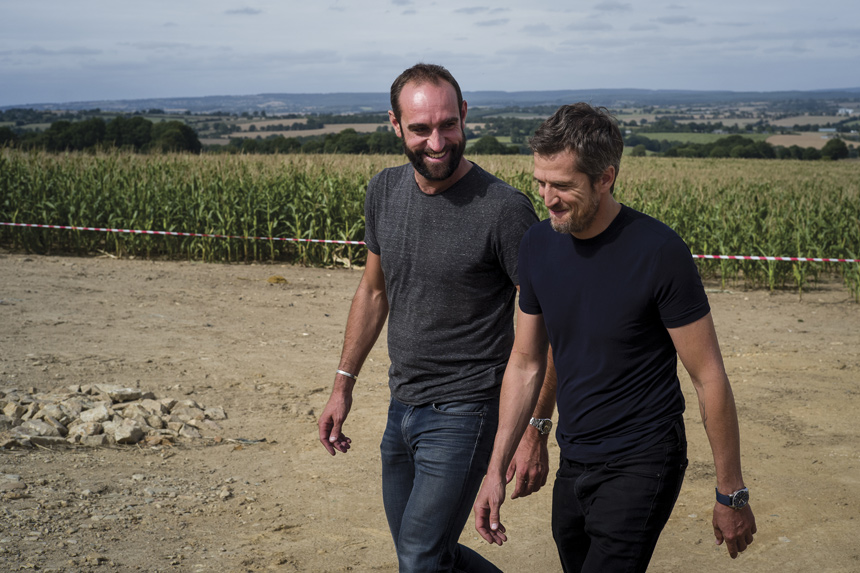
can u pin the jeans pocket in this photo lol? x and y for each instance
(477, 409)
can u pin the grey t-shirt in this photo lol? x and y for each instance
(450, 266)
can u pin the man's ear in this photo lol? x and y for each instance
(395, 124)
(607, 178)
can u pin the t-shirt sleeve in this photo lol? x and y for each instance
(681, 297)
(370, 216)
(517, 216)
(528, 301)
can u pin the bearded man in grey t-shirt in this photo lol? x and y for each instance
(443, 237)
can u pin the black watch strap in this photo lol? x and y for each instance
(735, 500)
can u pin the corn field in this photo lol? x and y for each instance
(718, 206)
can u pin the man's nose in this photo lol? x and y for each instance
(549, 196)
(436, 142)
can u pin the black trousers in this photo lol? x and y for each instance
(607, 517)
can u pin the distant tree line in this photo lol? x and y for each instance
(669, 125)
(489, 145)
(21, 116)
(138, 134)
(743, 147)
(518, 129)
(319, 121)
(348, 141)
(844, 126)
(131, 133)
(350, 118)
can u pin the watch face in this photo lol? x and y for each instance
(542, 425)
(740, 498)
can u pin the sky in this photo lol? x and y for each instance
(57, 51)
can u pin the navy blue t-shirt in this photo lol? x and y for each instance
(607, 302)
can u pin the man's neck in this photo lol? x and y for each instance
(607, 213)
(431, 187)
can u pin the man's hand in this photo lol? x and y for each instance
(530, 464)
(734, 526)
(486, 508)
(331, 421)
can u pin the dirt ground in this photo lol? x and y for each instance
(225, 336)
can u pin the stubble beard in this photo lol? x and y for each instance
(578, 221)
(436, 172)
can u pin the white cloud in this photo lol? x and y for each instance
(244, 12)
(536, 30)
(675, 20)
(589, 26)
(614, 7)
(472, 10)
(493, 23)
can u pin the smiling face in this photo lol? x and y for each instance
(431, 128)
(575, 204)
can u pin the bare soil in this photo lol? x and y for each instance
(266, 496)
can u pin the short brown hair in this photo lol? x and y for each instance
(590, 133)
(422, 73)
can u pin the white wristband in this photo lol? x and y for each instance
(347, 374)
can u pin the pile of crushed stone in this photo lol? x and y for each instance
(100, 415)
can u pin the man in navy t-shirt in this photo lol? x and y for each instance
(617, 296)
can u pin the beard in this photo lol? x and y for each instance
(579, 219)
(441, 171)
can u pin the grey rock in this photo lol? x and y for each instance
(37, 428)
(187, 403)
(168, 403)
(14, 410)
(11, 482)
(74, 406)
(216, 413)
(61, 429)
(189, 432)
(31, 410)
(48, 441)
(186, 413)
(6, 423)
(57, 412)
(128, 432)
(100, 413)
(154, 407)
(85, 429)
(131, 409)
(119, 394)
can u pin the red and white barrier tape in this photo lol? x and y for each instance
(329, 241)
(178, 234)
(756, 258)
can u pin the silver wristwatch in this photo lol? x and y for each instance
(542, 425)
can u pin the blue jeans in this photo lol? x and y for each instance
(433, 460)
(608, 516)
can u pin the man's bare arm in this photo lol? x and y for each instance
(521, 387)
(699, 352)
(530, 465)
(367, 316)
